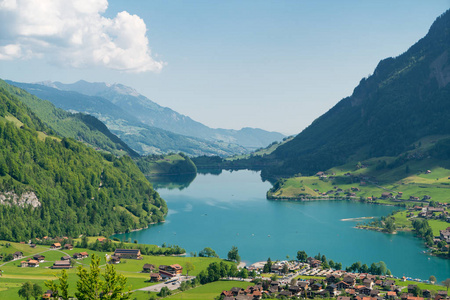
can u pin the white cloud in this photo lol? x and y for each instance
(74, 33)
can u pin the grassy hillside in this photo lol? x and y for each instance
(13, 275)
(63, 183)
(404, 100)
(371, 178)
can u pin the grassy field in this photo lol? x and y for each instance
(13, 275)
(410, 178)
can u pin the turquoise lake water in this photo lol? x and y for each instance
(220, 211)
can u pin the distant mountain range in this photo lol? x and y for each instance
(144, 125)
(406, 99)
(152, 114)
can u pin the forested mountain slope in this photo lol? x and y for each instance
(55, 187)
(84, 128)
(407, 98)
(143, 138)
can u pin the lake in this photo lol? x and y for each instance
(220, 211)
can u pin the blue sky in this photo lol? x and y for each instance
(275, 65)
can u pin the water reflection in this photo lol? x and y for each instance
(172, 182)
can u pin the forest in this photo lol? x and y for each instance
(80, 190)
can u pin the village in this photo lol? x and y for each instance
(310, 280)
(284, 279)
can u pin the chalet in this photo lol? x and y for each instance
(295, 289)
(33, 263)
(374, 293)
(55, 246)
(350, 280)
(39, 258)
(443, 294)
(342, 285)
(84, 254)
(391, 295)
(316, 286)
(68, 247)
(24, 264)
(128, 253)
(115, 259)
(33, 245)
(61, 264)
(332, 278)
(227, 294)
(148, 268)
(236, 291)
(285, 294)
(166, 275)
(411, 288)
(17, 255)
(332, 289)
(155, 277)
(368, 283)
(303, 285)
(445, 235)
(426, 293)
(176, 269)
(257, 295)
(362, 289)
(386, 195)
(66, 257)
(48, 294)
(101, 239)
(388, 283)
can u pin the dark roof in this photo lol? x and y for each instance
(127, 251)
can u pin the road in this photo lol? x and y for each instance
(158, 287)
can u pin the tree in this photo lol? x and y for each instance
(274, 277)
(417, 292)
(90, 286)
(207, 252)
(432, 279)
(164, 292)
(285, 269)
(382, 268)
(446, 283)
(114, 285)
(233, 255)
(302, 256)
(338, 266)
(189, 267)
(37, 291)
(64, 285)
(26, 290)
(52, 286)
(267, 266)
(243, 273)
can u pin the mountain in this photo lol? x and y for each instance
(59, 187)
(84, 128)
(142, 138)
(407, 98)
(152, 114)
